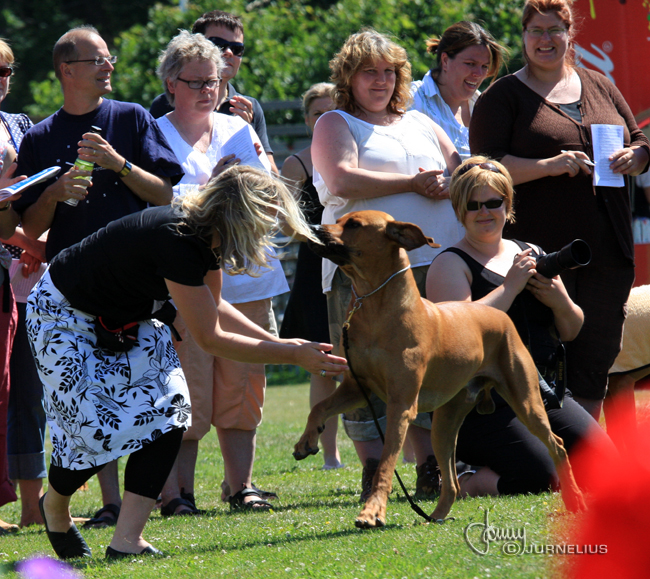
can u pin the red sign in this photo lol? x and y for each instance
(614, 38)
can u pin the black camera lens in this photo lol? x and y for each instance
(571, 256)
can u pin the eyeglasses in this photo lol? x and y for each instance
(6, 71)
(485, 166)
(99, 61)
(237, 48)
(539, 32)
(489, 204)
(199, 84)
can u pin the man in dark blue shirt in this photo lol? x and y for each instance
(133, 167)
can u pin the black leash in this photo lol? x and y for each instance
(357, 304)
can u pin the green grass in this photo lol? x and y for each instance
(311, 532)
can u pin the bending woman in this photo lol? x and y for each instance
(102, 404)
(485, 267)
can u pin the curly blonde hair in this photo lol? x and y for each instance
(359, 50)
(470, 176)
(244, 206)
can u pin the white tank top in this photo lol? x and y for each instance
(400, 148)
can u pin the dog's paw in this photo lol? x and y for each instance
(302, 454)
(373, 514)
(361, 523)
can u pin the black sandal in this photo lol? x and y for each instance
(101, 521)
(169, 510)
(257, 504)
(188, 497)
(225, 489)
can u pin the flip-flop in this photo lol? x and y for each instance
(101, 521)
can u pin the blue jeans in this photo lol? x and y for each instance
(26, 420)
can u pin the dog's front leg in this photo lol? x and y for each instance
(346, 397)
(398, 418)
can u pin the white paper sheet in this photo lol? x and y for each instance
(606, 139)
(23, 285)
(241, 145)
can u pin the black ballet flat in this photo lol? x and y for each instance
(113, 554)
(69, 545)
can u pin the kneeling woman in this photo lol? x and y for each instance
(101, 403)
(485, 267)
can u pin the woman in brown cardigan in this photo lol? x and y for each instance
(537, 121)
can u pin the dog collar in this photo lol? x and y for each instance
(358, 300)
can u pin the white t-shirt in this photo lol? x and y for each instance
(197, 167)
(400, 148)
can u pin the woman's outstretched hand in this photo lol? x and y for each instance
(314, 358)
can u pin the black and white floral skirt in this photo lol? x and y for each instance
(99, 404)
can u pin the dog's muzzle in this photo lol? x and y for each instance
(330, 249)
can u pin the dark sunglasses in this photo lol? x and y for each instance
(486, 166)
(489, 204)
(237, 48)
(6, 71)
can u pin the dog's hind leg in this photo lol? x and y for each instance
(522, 394)
(346, 397)
(447, 420)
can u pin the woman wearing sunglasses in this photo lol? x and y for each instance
(226, 394)
(26, 418)
(485, 267)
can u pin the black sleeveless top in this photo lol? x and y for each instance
(534, 321)
(310, 203)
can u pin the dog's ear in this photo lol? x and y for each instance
(408, 235)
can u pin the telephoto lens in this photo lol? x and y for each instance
(571, 256)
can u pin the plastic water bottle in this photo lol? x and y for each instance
(82, 165)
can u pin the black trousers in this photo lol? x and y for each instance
(146, 470)
(501, 442)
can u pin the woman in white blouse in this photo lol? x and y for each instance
(224, 393)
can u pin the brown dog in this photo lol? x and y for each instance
(418, 356)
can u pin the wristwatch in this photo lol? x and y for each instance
(126, 169)
(6, 206)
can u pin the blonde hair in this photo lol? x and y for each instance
(243, 205)
(470, 176)
(359, 50)
(314, 92)
(6, 53)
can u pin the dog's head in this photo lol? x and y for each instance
(367, 236)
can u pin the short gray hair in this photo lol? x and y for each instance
(181, 50)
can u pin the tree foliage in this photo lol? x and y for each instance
(288, 42)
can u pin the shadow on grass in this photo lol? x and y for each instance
(291, 540)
